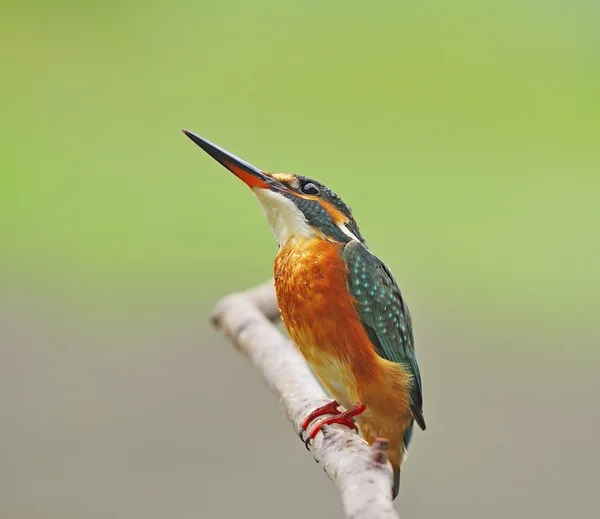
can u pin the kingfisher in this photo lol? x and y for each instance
(341, 307)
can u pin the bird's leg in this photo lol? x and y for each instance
(329, 408)
(344, 418)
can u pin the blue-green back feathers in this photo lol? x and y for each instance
(384, 315)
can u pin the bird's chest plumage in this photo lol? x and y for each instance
(319, 314)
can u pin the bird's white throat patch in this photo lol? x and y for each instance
(285, 219)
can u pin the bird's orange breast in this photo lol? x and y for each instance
(319, 314)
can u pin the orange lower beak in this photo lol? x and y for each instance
(250, 175)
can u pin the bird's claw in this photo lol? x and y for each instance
(342, 418)
(306, 442)
(328, 408)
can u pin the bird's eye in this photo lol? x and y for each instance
(310, 189)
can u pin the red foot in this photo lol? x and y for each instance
(344, 418)
(330, 408)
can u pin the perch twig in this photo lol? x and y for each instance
(362, 473)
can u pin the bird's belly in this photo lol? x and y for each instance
(335, 374)
(382, 390)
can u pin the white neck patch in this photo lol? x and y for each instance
(285, 219)
(342, 227)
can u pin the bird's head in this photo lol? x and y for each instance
(296, 207)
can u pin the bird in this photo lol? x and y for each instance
(341, 307)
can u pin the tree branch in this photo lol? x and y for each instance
(362, 473)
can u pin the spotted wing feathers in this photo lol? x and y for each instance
(384, 315)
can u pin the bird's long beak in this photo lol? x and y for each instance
(250, 175)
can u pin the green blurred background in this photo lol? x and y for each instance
(465, 136)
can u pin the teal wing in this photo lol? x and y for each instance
(384, 315)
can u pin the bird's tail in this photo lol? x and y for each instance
(396, 485)
(403, 456)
